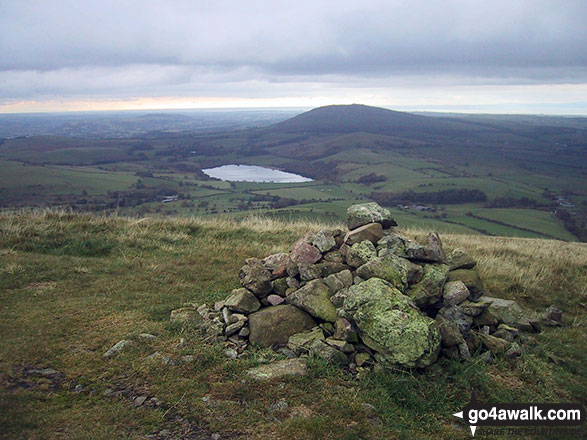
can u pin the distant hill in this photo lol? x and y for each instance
(366, 119)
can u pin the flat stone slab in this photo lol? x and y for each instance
(288, 367)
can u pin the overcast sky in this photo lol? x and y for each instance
(467, 55)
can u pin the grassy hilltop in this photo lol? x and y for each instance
(72, 285)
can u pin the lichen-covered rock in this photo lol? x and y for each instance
(428, 291)
(324, 240)
(310, 271)
(303, 252)
(470, 278)
(314, 298)
(339, 281)
(242, 301)
(392, 325)
(300, 342)
(360, 253)
(389, 268)
(372, 232)
(255, 277)
(455, 292)
(334, 256)
(338, 298)
(272, 326)
(459, 259)
(391, 243)
(362, 214)
(503, 311)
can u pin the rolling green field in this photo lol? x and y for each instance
(531, 177)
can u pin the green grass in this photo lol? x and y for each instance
(73, 285)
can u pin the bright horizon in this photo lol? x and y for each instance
(466, 56)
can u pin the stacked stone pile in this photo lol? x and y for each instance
(364, 297)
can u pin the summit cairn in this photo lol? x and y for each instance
(364, 297)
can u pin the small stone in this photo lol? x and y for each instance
(138, 401)
(231, 353)
(303, 252)
(242, 301)
(361, 253)
(300, 342)
(486, 357)
(117, 348)
(314, 298)
(287, 367)
(275, 300)
(185, 315)
(455, 292)
(339, 281)
(365, 213)
(293, 283)
(203, 310)
(324, 240)
(280, 286)
(324, 351)
(309, 271)
(372, 232)
(233, 328)
(255, 278)
(147, 336)
(334, 256)
(470, 278)
(226, 315)
(345, 331)
(514, 351)
(218, 305)
(464, 351)
(449, 332)
(554, 314)
(363, 359)
(278, 405)
(287, 353)
(459, 259)
(244, 332)
(215, 436)
(493, 344)
(343, 346)
(275, 262)
(328, 327)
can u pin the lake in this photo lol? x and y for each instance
(253, 173)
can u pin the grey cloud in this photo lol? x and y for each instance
(138, 48)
